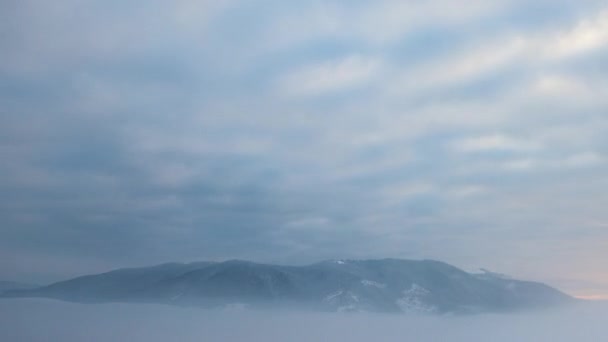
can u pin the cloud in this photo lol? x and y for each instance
(328, 77)
(494, 142)
(588, 35)
(561, 86)
(241, 130)
(583, 159)
(575, 161)
(467, 191)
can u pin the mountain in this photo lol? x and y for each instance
(387, 285)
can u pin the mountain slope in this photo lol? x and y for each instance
(388, 285)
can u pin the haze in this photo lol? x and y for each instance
(45, 320)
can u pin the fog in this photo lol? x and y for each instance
(48, 320)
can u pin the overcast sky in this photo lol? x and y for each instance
(135, 133)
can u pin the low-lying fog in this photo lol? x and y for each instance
(48, 320)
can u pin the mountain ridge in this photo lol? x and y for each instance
(377, 285)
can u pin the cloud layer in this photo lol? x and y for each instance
(288, 132)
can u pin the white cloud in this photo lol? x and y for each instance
(493, 142)
(464, 65)
(527, 52)
(587, 36)
(560, 85)
(473, 63)
(524, 164)
(465, 191)
(563, 90)
(330, 76)
(584, 159)
(399, 192)
(573, 161)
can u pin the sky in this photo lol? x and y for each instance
(137, 133)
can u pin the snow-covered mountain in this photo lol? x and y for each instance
(387, 285)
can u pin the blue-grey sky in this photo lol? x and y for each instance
(134, 133)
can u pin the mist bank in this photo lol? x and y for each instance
(12, 285)
(36, 320)
(384, 285)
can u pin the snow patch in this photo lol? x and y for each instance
(343, 301)
(413, 300)
(330, 297)
(177, 296)
(372, 283)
